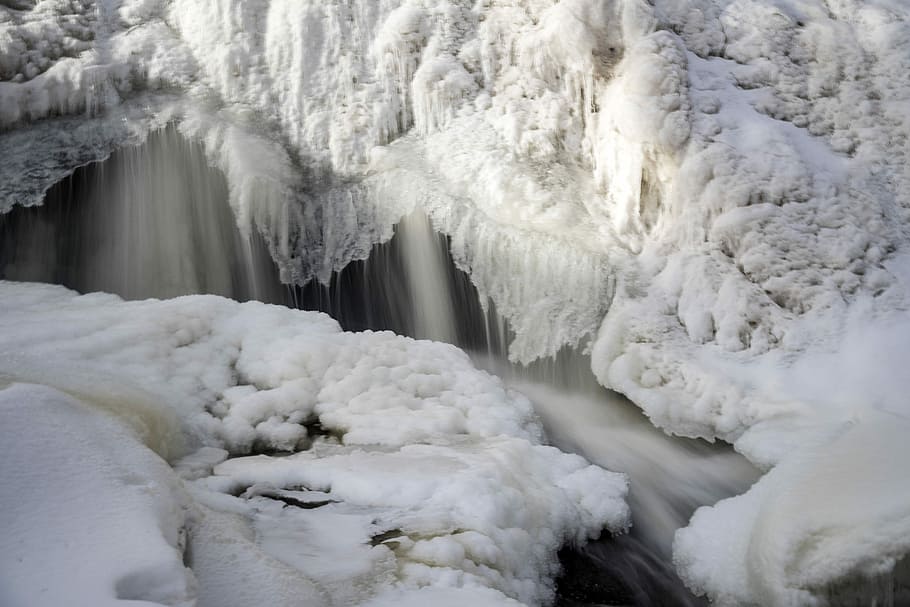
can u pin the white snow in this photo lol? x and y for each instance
(90, 515)
(789, 530)
(711, 195)
(414, 473)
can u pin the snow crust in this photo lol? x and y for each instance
(710, 195)
(307, 462)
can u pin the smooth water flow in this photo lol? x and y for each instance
(154, 221)
(671, 477)
(425, 275)
(151, 221)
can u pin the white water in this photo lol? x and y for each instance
(670, 476)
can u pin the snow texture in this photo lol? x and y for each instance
(79, 494)
(711, 195)
(307, 462)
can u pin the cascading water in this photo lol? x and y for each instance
(670, 476)
(151, 221)
(430, 299)
(154, 222)
(410, 285)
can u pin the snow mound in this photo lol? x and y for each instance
(79, 494)
(384, 467)
(785, 541)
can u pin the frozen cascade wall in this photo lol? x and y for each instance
(715, 191)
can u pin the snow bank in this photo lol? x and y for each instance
(786, 541)
(79, 494)
(412, 474)
(444, 515)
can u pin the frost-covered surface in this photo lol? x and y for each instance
(413, 475)
(715, 192)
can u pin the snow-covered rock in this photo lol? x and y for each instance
(388, 469)
(91, 516)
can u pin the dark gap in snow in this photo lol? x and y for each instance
(385, 536)
(298, 503)
(619, 570)
(314, 428)
(19, 5)
(262, 448)
(266, 449)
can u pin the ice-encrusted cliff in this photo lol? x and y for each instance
(711, 195)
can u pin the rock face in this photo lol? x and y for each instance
(710, 195)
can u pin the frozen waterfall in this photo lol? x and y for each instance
(154, 222)
(654, 255)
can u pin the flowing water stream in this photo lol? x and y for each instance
(151, 221)
(154, 221)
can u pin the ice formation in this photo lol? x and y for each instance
(414, 474)
(711, 195)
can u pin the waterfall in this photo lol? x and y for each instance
(151, 221)
(410, 285)
(430, 298)
(154, 221)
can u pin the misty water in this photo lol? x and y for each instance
(154, 221)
